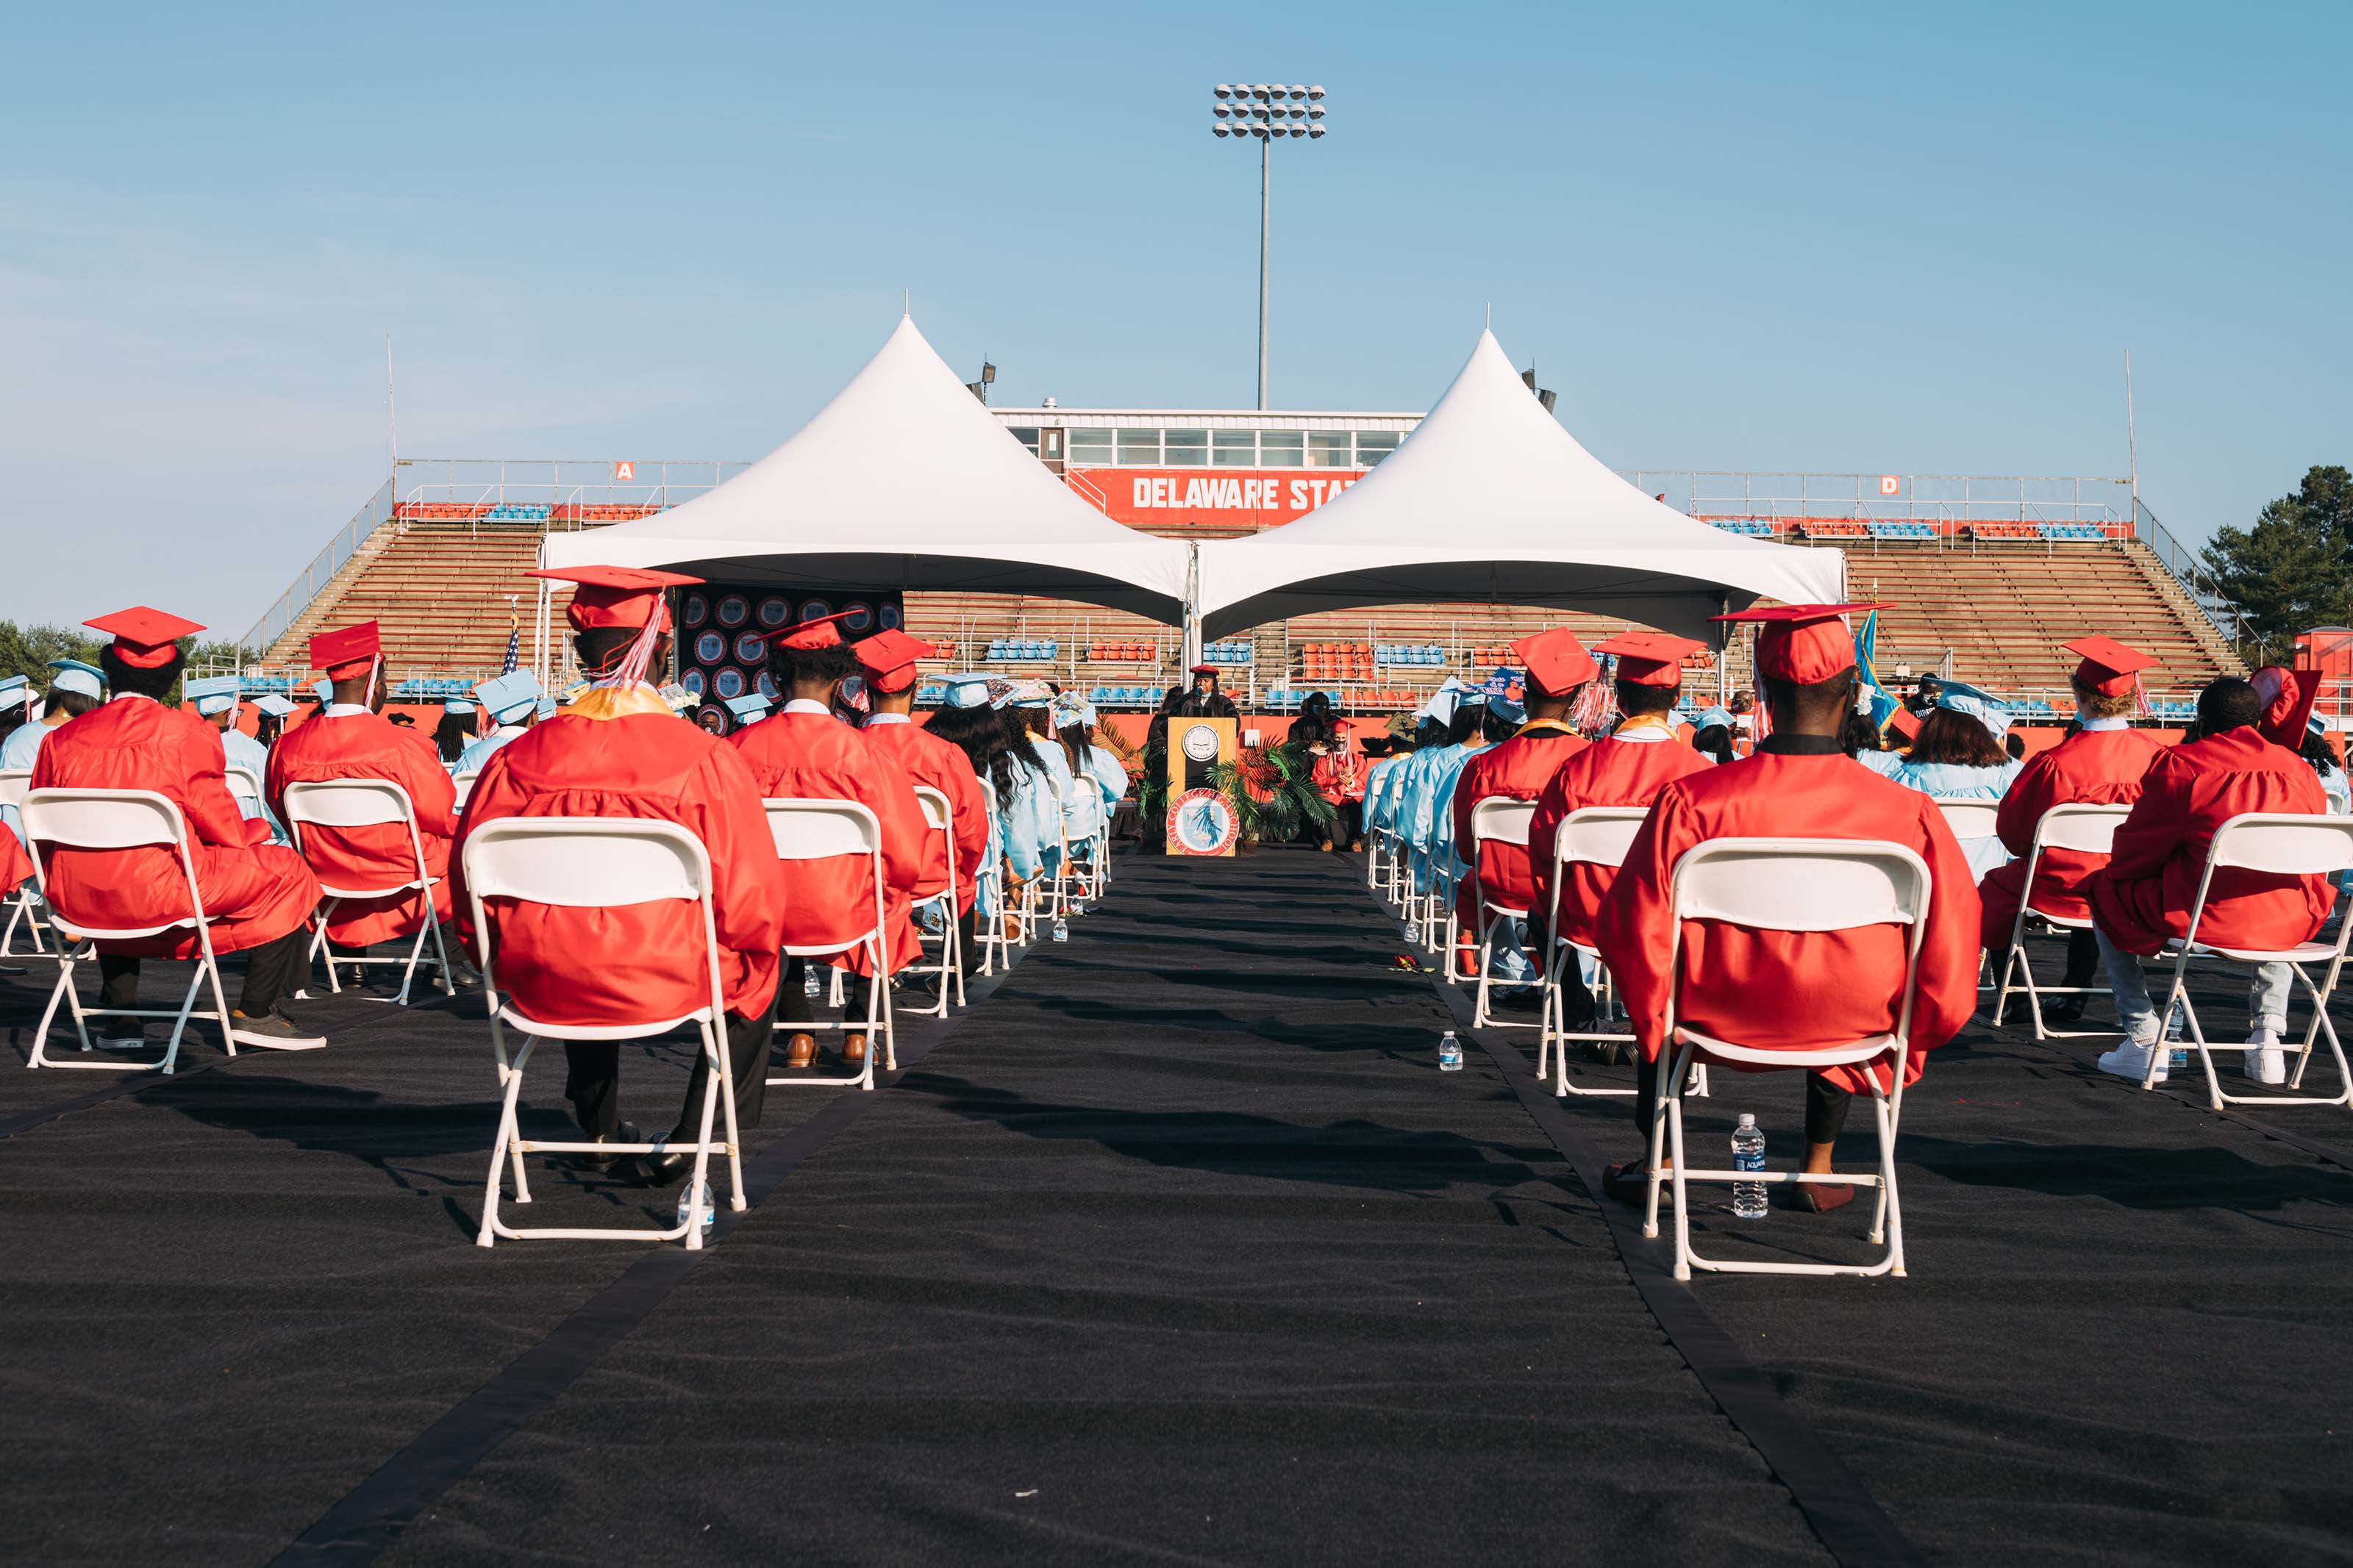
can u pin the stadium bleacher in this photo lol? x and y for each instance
(1022, 650)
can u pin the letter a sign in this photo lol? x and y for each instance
(624, 471)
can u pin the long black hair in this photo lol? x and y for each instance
(450, 735)
(993, 740)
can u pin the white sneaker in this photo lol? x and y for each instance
(2130, 1059)
(2266, 1061)
(119, 1039)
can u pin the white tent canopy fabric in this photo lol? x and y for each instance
(1491, 500)
(902, 481)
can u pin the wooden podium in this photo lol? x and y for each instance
(1201, 820)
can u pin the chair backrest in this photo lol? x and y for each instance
(14, 784)
(819, 830)
(1970, 818)
(1598, 835)
(242, 783)
(347, 802)
(580, 862)
(1802, 884)
(1499, 819)
(2081, 826)
(937, 812)
(99, 818)
(464, 785)
(2283, 843)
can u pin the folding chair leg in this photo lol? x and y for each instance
(1658, 1152)
(724, 1076)
(1672, 1091)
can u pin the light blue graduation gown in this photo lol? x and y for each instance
(1952, 781)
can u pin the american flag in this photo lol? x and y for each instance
(514, 645)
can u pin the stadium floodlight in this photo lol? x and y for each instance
(1266, 112)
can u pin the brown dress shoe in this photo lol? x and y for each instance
(853, 1051)
(800, 1050)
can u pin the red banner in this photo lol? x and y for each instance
(1238, 498)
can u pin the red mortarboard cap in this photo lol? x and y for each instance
(144, 639)
(1802, 643)
(890, 655)
(807, 635)
(2108, 666)
(1203, 669)
(1650, 658)
(626, 597)
(345, 654)
(1904, 723)
(2288, 698)
(1556, 661)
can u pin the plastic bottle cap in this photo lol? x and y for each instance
(1747, 1119)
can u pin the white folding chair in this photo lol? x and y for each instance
(1497, 819)
(2076, 825)
(25, 903)
(1970, 818)
(820, 830)
(1790, 885)
(465, 786)
(118, 819)
(367, 803)
(242, 785)
(940, 815)
(2283, 844)
(1594, 835)
(596, 862)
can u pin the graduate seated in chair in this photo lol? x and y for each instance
(1793, 990)
(2142, 898)
(888, 659)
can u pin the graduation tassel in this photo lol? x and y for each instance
(632, 668)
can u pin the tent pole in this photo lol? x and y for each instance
(1192, 605)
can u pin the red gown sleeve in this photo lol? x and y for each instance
(1635, 926)
(1544, 826)
(886, 788)
(2158, 825)
(204, 801)
(2031, 794)
(431, 791)
(747, 900)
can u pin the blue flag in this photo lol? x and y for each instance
(1880, 705)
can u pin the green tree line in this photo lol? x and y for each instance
(2293, 571)
(27, 650)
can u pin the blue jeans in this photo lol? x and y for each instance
(2267, 993)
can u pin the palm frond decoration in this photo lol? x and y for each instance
(1271, 792)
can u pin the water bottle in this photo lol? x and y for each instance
(1450, 1053)
(2179, 1057)
(694, 1195)
(1061, 929)
(1748, 1154)
(810, 985)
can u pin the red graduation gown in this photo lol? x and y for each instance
(815, 756)
(1514, 768)
(369, 746)
(15, 864)
(627, 756)
(928, 760)
(1611, 771)
(2142, 896)
(1336, 775)
(254, 891)
(2094, 767)
(1791, 990)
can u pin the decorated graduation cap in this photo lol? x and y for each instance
(144, 639)
(1031, 692)
(629, 597)
(1958, 697)
(1556, 661)
(1650, 659)
(2108, 667)
(808, 636)
(1802, 643)
(214, 694)
(889, 658)
(274, 705)
(1070, 710)
(507, 698)
(748, 708)
(73, 675)
(976, 691)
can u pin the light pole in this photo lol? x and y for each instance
(1266, 114)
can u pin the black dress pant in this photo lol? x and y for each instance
(272, 971)
(593, 1075)
(795, 1005)
(1826, 1103)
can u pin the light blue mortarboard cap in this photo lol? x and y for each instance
(276, 707)
(325, 689)
(1709, 717)
(1981, 706)
(547, 707)
(968, 691)
(459, 705)
(748, 707)
(507, 698)
(73, 675)
(213, 694)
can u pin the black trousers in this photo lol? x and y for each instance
(272, 971)
(1347, 824)
(795, 1005)
(2083, 958)
(1826, 1103)
(592, 1080)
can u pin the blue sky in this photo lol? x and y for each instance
(1827, 237)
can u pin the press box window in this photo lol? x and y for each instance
(1372, 446)
(1139, 448)
(1235, 448)
(1185, 449)
(1328, 449)
(1091, 447)
(1282, 448)
(1027, 435)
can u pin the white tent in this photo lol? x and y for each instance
(902, 481)
(1490, 500)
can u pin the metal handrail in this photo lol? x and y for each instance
(322, 570)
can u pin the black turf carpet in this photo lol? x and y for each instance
(1177, 1248)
